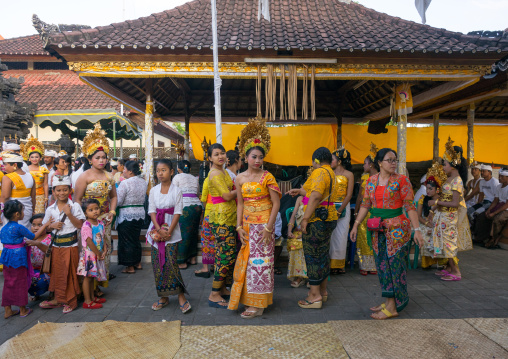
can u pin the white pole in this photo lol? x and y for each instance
(216, 78)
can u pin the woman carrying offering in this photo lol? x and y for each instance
(222, 218)
(389, 230)
(319, 221)
(131, 194)
(451, 226)
(96, 183)
(341, 165)
(258, 204)
(165, 206)
(34, 150)
(189, 220)
(364, 251)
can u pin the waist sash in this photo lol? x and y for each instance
(218, 200)
(66, 240)
(161, 246)
(191, 195)
(383, 213)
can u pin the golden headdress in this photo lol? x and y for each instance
(373, 151)
(62, 153)
(180, 149)
(205, 145)
(95, 140)
(255, 134)
(450, 154)
(436, 174)
(344, 154)
(22, 151)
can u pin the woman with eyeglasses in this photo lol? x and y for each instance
(389, 230)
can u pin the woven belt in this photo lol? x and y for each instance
(66, 240)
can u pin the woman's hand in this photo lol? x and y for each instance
(432, 202)
(109, 217)
(242, 235)
(353, 233)
(290, 232)
(30, 243)
(418, 238)
(267, 237)
(303, 225)
(294, 192)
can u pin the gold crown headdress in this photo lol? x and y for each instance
(255, 134)
(436, 174)
(32, 145)
(62, 153)
(205, 145)
(450, 154)
(95, 140)
(373, 151)
(22, 151)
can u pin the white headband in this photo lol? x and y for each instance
(113, 163)
(503, 172)
(11, 147)
(50, 153)
(133, 156)
(11, 158)
(486, 168)
(61, 181)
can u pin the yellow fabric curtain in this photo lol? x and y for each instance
(291, 146)
(294, 145)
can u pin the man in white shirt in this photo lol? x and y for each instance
(49, 159)
(488, 185)
(497, 214)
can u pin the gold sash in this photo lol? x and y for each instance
(20, 191)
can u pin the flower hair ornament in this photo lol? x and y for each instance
(436, 174)
(31, 146)
(95, 140)
(344, 154)
(450, 154)
(373, 151)
(255, 134)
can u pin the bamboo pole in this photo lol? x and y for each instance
(470, 132)
(436, 136)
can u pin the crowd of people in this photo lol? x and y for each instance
(57, 222)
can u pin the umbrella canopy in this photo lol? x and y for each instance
(85, 120)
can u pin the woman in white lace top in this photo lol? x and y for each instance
(131, 195)
(190, 219)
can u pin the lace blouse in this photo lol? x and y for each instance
(189, 185)
(131, 192)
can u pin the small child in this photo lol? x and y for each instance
(91, 261)
(16, 260)
(65, 254)
(40, 281)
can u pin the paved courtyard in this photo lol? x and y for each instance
(483, 292)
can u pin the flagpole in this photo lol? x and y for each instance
(216, 78)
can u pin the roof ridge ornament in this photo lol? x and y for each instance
(44, 29)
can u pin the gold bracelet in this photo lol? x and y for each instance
(291, 224)
(112, 212)
(356, 221)
(237, 228)
(266, 229)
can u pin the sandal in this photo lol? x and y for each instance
(92, 305)
(373, 272)
(385, 312)
(47, 305)
(183, 306)
(98, 293)
(249, 314)
(451, 278)
(277, 271)
(441, 273)
(378, 308)
(68, 309)
(30, 310)
(100, 300)
(363, 272)
(218, 304)
(159, 305)
(15, 312)
(296, 284)
(128, 272)
(200, 273)
(305, 304)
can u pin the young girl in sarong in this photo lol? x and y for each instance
(15, 258)
(91, 260)
(40, 281)
(297, 270)
(165, 205)
(258, 204)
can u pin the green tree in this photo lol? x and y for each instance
(179, 128)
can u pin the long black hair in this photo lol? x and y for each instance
(380, 156)
(184, 166)
(323, 155)
(233, 156)
(345, 159)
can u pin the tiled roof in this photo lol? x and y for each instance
(295, 24)
(59, 90)
(25, 45)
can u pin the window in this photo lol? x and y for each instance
(160, 144)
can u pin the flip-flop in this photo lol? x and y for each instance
(217, 305)
(226, 297)
(127, 272)
(387, 313)
(442, 273)
(311, 305)
(67, 309)
(202, 274)
(47, 305)
(375, 310)
(451, 278)
(27, 314)
(162, 305)
(257, 313)
(16, 312)
(183, 306)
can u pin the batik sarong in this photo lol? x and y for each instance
(168, 281)
(225, 255)
(316, 248)
(207, 242)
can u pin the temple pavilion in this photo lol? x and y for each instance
(316, 62)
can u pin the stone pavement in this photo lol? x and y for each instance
(483, 292)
